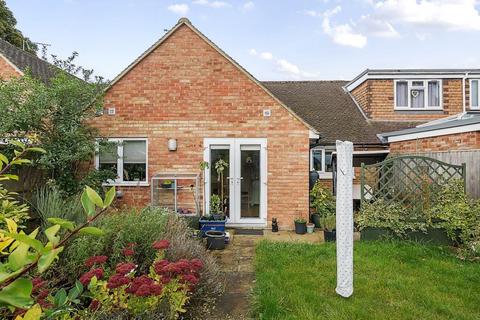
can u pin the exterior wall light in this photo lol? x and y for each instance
(172, 144)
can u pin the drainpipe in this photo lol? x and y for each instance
(464, 95)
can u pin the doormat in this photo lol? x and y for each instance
(249, 232)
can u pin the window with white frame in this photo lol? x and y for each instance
(321, 160)
(474, 98)
(418, 94)
(126, 157)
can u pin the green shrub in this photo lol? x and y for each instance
(322, 199)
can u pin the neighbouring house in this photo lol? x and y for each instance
(184, 101)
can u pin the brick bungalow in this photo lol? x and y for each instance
(184, 101)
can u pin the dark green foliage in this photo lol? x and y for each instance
(10, 33)
(322, 200)
(393, 280)
(58, 114)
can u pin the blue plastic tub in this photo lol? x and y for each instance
(216, 225)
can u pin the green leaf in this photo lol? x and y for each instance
(60, 298)
(29, 240)
(17, 294)
(88, 205)
(109, 196)
(91, 230)
(18, 144)
(47, 259)
(69, 225)
(34, 313)
(3, 158)
(94, 197)
(51, 234)
(36, 149)
(79, 286)
(10, 177)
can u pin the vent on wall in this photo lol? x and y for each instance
(111, 111)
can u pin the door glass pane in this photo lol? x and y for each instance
(250, 182)
(219, 183)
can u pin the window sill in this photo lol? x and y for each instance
(127, 184)
(418, 109)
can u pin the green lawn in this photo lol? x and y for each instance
(392, 281)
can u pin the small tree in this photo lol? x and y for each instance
(58, 113)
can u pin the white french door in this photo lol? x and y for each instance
(243, 189)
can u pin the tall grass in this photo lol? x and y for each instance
(48, 202)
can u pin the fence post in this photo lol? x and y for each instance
(362, 183)
(464, 176)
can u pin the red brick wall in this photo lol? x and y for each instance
(376, 97)
(6, 69)
(460, 141)
(186, 90)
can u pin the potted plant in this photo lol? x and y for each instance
(322, 201)
(310, 227)
(300, 226)
(216, 219)
(215, 240)
(166, 184)
(329, 224)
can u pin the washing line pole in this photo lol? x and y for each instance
(344, 218)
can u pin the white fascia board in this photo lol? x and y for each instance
(313, 135)
(351, 86)
(435, 133)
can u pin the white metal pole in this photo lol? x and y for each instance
(344, 218)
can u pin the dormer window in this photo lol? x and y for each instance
(418, 94)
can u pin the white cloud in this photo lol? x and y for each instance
(342, 34)
(266, 55)
(212, 4)
(283, 65)
(248, 5)
(179, 8)
(436, 14)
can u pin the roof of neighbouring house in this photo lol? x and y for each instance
(23, 60)
(327, 107)
(463, 122)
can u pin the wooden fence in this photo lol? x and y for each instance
(471, 158)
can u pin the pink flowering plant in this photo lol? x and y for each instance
(124, 288)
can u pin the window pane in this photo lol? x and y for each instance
(418, 98)
(108, 156)
(317, 160)
(433, 94)
(402, 97)
(328, 161)
(474, 93)
(134, 160)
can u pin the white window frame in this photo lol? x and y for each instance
(119, 181)
(470, 94)
(425, 85)
(323, 174)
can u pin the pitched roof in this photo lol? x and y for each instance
(330, 110)
(23, 60)
(186, 22)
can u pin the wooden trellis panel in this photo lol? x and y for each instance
(410, 180)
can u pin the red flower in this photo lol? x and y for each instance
(165, 279)
(95, 305)
(127, 252)
(95, 260)
(159, 266)
(43, 294)
(124, 268)
(196, 264)
(190, 278)
(138, 282)
(87, 276)
(117, 280)
(161, 244)
(146, 290)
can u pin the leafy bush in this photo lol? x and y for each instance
(451, 210)
(322, 199)
(393, 216)
(328, 222)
